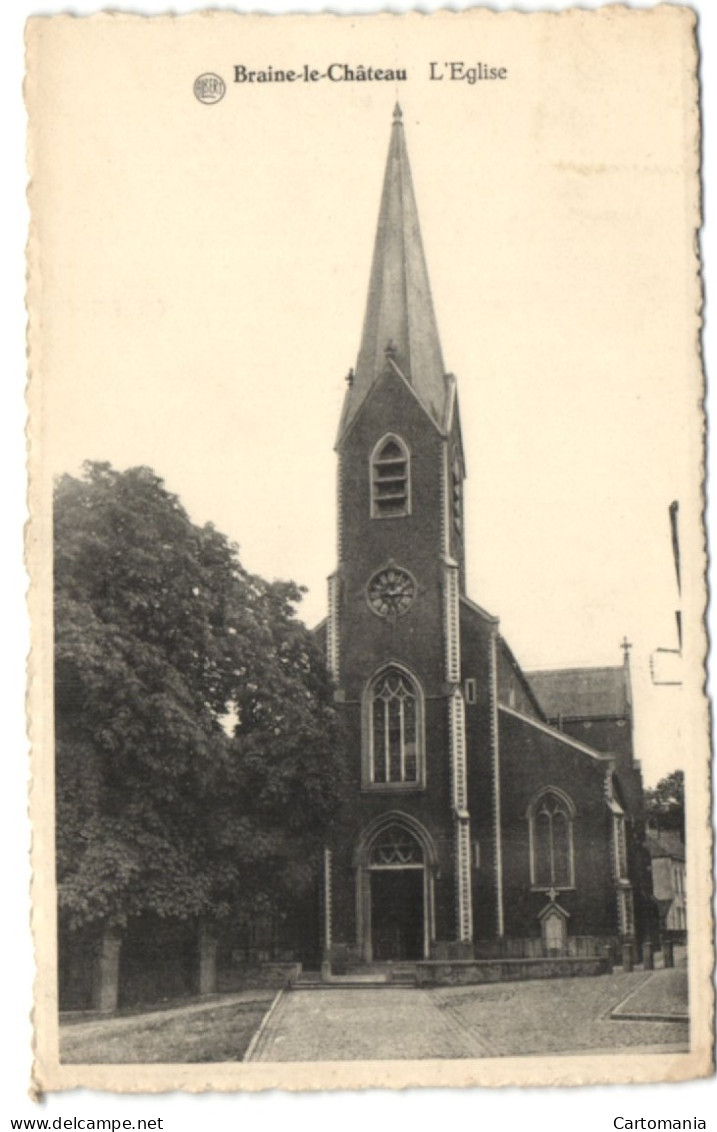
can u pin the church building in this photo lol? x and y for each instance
(490, 811)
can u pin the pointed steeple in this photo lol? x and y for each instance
(400, 325)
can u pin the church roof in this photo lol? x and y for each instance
(400, 324)
(665, 843)
(582, 693)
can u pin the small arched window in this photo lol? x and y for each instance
(457, 494)
(390, 479)
(551, 817)
(394, 729)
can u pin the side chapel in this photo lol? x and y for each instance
(491, 811)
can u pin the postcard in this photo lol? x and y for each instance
(370, 739)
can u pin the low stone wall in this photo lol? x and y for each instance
(457, 972)
(265, 976)
(576, 947)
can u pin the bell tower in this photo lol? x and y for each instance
(393, 634)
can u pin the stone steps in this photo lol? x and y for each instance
(351, 984)
(371, 978)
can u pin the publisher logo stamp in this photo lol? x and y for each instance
(209, 88)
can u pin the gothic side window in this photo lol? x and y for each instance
(551, 841)
(395, 756)
(390, 479)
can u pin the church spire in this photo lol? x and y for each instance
(399, 329)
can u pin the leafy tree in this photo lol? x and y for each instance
(665, 803)
(197, 749)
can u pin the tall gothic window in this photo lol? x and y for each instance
(551, 841)
(390, 479)
(394, 729)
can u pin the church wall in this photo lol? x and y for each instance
(476, 635)
(613, 735)
(532, 759)
(511, 690)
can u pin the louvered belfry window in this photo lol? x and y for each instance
(390, 482)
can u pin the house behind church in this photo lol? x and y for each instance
(669, 881)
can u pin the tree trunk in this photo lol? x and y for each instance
(207, 959)
(105, 982)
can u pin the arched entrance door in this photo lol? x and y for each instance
(395, 894)
(396, 870)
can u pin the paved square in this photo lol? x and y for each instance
(505, 1020)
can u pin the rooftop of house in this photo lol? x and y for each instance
(665, 843)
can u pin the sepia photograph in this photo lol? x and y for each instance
(370, 739)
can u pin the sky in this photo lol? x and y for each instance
(205, 280)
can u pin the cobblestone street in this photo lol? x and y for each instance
(518, 1019)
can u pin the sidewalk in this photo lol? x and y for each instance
(212, 1030)
(661, 998)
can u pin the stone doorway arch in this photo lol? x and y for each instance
(395, 863)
